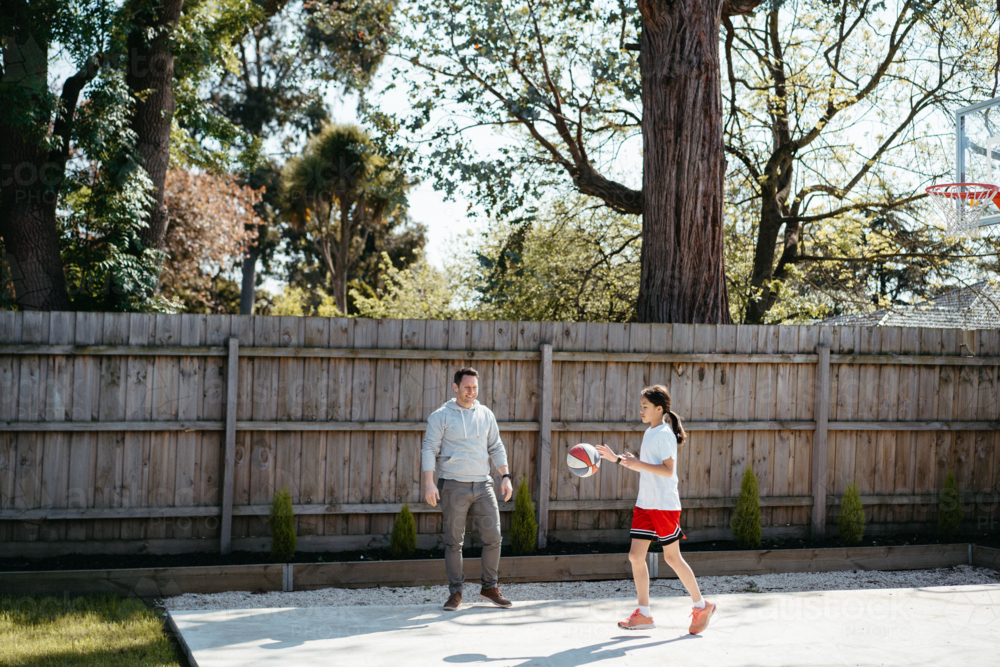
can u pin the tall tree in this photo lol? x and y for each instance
(556, 73)
(337, 194)
(828, 201)
(275, 91)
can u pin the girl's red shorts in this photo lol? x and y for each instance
(663, 526)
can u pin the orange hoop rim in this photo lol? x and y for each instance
(985, 192)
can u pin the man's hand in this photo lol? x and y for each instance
(506, 488)
(431, 494)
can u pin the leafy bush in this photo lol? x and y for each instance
(949, 508)
(282, 522)
(523, 525)
(852, 516)
(745, 523)
(403, 539)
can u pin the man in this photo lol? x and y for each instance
(462, 436)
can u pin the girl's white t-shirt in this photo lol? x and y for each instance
(658, 492)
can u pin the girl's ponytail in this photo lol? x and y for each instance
(659, 395)
(675, 424)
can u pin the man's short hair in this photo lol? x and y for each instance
(462, 372)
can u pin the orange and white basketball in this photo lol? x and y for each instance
(583, 460)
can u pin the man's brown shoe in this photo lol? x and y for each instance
(495, 596)
(454, 602)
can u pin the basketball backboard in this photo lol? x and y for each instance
(977, 149)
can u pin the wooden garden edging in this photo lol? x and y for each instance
(985, 557)
(160, 582)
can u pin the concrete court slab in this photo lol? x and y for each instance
(900, 627)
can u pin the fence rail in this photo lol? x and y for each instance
(114, 425)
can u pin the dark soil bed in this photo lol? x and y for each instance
(107, 562)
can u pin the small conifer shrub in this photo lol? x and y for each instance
(851, 522)
(403, 539)
(745, 522)
(523, 525)
(282, 523)
(949, 516)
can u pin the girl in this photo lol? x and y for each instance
(657, 513)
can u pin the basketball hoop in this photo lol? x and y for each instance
(963, 204)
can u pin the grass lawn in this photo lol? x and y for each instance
(87, 631)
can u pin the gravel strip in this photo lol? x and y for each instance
(961, 575)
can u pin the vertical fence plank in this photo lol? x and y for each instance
(362, 409)
(214, 330)
(385, 443)
(526, 402)
(722, 410)
(229, 455)
(82, 449)
(338, 443)
(885, 441)
(54, 480)
(266, 390)
(242, 328)
(821, 411)
(544, 442)
(744, 390)
(314, 408)
(287, 443)
(615, 406)
(111, 407)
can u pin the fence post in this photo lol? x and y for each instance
(544, 442)
(229, 456)
(821, 414)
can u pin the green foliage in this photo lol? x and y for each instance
(523, 524)
(418, 292)
(106, 264)
(949, 518)
(339, 195)
(570, 261)
(745, 522)
(403, 538)
(282, 523)
(851, 522)
(296, 302)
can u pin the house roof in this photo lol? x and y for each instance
(974, 307)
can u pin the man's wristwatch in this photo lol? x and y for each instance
(620, 459)
(507, 475)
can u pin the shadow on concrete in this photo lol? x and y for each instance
(585, 655)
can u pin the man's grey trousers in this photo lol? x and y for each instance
(457, 499)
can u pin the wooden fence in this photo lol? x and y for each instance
(165, 433)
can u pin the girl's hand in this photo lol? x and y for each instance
(606, 452)
(630, 462)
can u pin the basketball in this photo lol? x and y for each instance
(583, 460)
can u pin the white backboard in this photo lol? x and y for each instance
(977, 149)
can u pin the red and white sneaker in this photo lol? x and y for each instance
(637, 622)
(700, 617)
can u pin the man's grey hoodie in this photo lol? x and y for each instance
(460, 442)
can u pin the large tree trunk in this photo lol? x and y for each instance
(150, 77)
(683, 273)
(29, 182)
(28, 223)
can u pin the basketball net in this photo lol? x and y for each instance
(961, 205)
